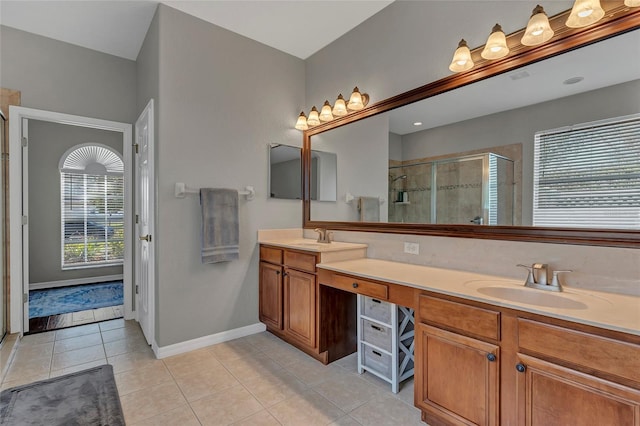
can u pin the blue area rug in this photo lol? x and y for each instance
(64, 300)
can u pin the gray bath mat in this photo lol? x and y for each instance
(88, 397)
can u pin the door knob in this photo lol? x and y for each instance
(146, 238)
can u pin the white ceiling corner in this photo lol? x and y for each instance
(118, 27)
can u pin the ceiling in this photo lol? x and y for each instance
(118, 27)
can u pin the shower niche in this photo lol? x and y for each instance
(473, 189)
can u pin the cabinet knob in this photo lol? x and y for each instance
(277, 272)
(491, 357)
(521, 368)
(355, 285)
(284, 274)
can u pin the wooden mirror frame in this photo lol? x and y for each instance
(618, 19)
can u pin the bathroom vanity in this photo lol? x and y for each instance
(488, 351)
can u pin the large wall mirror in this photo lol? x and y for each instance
(506, 157)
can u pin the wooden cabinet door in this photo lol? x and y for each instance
(556, 396)
(457, 378)
(300, 306)
(270, 303)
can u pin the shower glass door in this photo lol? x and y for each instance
(459, 191)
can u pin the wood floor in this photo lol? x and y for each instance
(54, 322)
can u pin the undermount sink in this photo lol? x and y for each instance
(510, 290)
(532, 297)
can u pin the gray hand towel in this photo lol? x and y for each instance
(369, 208)
(220, 229)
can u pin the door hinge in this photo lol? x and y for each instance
(136, 147)
(136, 288)
(137, 219)
(25, 297)
(25, 220)
(24, 142)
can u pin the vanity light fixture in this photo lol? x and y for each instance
(340, 107)
(357, 101)
(325, 112)
(584, 13)
(632, 3)
(461, 58)
(314, 118)
(301, 124)
(496, 46)
(538, 29)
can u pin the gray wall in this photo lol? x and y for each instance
(47, 144)
(223, 97)
(517, 126)
(57, 76)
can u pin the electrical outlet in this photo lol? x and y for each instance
(412, 248)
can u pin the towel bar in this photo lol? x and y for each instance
(349, 197)
(182, 190)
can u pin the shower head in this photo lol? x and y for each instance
(399, 177)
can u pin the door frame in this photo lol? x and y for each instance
(149, 111)
(18, 249)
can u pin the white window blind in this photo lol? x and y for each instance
(588, 175)
(92, 207)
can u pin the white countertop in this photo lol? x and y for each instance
(606, 310)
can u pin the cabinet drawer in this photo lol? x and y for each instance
(581, 349)
(300, 261)
(376, 360)
(470, 319)
(360, 286)
(377, 309)
(271, 255)
(376, 334)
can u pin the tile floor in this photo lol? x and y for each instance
(255, 380)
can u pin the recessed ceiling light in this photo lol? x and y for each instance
(573, 80)
(418, 123)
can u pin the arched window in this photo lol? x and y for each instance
(92, 206)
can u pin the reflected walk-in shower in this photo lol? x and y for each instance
(475, 189)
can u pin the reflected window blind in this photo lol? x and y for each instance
(588, 175)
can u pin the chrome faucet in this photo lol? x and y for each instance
(538, 277)
(324, 236)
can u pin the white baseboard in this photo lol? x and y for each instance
(76, 281)
(212, 339)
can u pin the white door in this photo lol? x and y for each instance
(144, 215)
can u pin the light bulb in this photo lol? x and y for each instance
(313, 119)
(538, 29)
(325, 112)
(340, 107)
(461, 58)
(301, 124)
(584, 13)
(355, 101)
(496, 46)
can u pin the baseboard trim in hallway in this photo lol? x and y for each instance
(212, 339)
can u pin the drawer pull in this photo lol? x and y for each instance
(375, 301)
(521, 368)
(355, 285)
(376, 353)
(491, 357)
(375, 327)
